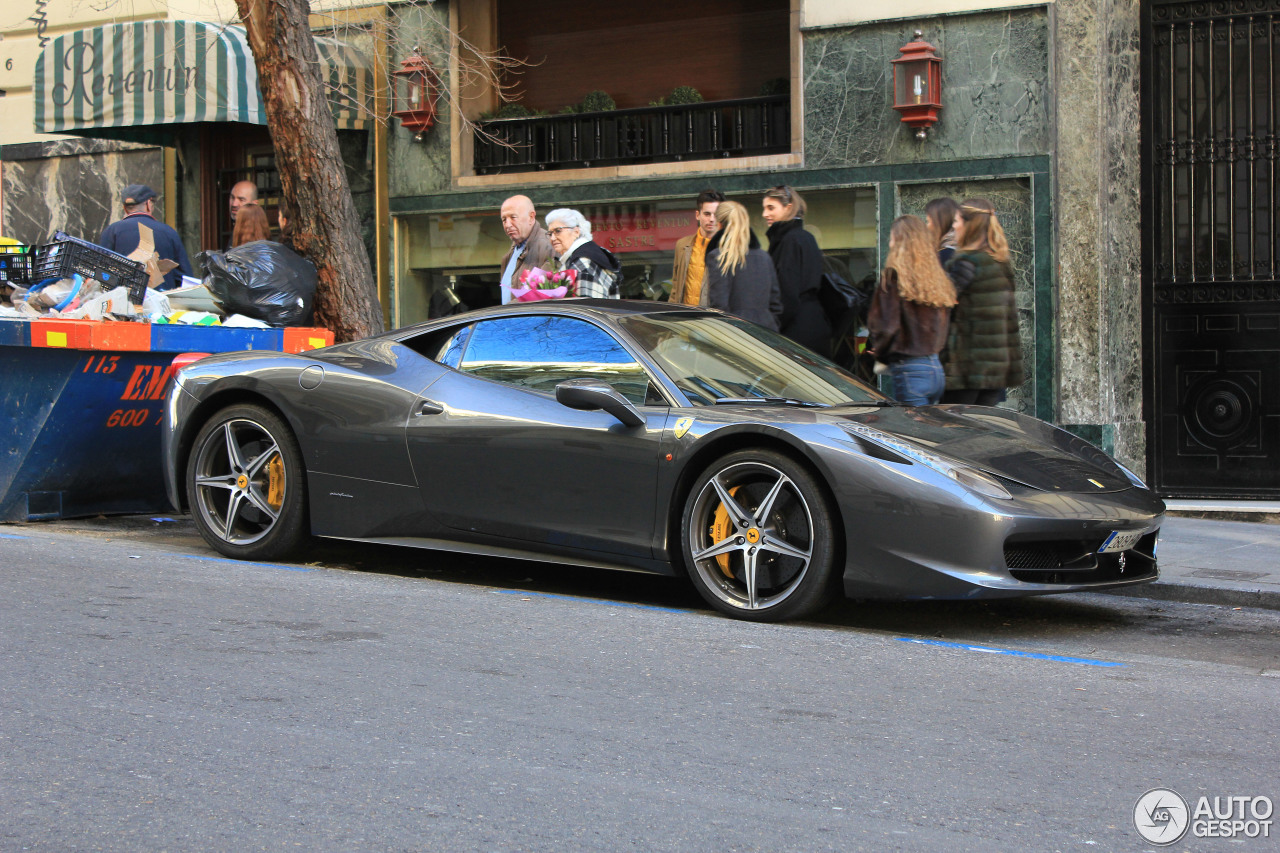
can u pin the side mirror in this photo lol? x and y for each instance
(592, 395)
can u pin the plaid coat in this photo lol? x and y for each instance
(599, 271)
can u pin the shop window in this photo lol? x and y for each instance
(461, 253)
(539, 352)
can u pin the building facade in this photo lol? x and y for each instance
(1010, 96)
(1129, 146)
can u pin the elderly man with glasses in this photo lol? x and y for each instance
(599, 271)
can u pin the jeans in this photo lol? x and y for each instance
(918, 381)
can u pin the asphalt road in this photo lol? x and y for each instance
(154, 696)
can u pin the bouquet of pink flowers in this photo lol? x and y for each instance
(537, 283)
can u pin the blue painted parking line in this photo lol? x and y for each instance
(966, 647)
(249, 563)
(590, 600)
(12, 536)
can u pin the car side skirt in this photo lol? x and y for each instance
(648, 567)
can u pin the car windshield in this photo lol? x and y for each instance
(712, 358)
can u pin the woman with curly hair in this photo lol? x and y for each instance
(984, 350)
(909, 313)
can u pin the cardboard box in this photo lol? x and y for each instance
(303, 338)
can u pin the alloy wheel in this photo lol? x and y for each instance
(759, 517)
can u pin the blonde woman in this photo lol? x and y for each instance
(909, 313)
(984, 351)
(740, 278)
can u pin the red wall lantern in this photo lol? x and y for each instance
(417, 89)
(917, 84)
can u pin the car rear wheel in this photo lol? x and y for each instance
(759, 537)
(245, 484)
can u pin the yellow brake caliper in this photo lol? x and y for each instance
(275, 482)
(721, 527)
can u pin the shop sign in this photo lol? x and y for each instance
(638, 227)
(83, 66)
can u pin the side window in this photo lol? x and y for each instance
(444, 345)
(537, 353)
(451, 354)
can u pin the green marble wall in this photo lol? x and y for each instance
(73, 185)
(421, 167)
(995, 79)
(1098, 223)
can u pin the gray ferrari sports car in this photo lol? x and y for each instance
(648, 437)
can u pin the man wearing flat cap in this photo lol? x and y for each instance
(139, 200)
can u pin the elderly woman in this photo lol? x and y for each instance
(599, 272)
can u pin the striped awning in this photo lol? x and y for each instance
(119, 79)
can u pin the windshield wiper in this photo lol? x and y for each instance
(775, 401)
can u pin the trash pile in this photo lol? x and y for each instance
(257, 285)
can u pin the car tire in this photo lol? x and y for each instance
(773, 521)
(246, 486)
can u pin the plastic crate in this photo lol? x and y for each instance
(15, 264)
(67, 255)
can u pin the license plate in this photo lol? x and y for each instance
(1119, 541)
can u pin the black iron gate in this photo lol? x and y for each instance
(1212, 277)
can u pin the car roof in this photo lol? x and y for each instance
(604, 308)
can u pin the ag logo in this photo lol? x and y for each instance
(682, 426)
(1161, 816)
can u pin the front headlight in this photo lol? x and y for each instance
(967, 476)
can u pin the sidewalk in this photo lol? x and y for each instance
(1208, 561)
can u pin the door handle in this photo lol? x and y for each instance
(428, 407)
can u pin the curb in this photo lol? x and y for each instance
(1195, 594)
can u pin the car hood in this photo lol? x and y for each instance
(1000, 442)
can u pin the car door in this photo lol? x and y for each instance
(497, 456)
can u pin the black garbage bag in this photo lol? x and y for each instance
(263, 280)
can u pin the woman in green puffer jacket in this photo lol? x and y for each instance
(984, 352)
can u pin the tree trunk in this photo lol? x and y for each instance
(311, 169)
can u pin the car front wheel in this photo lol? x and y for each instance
(245, 484)
(759, 537)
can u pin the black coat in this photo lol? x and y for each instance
(751, 292)
(798, 262)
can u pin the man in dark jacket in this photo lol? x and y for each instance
(123, 237)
